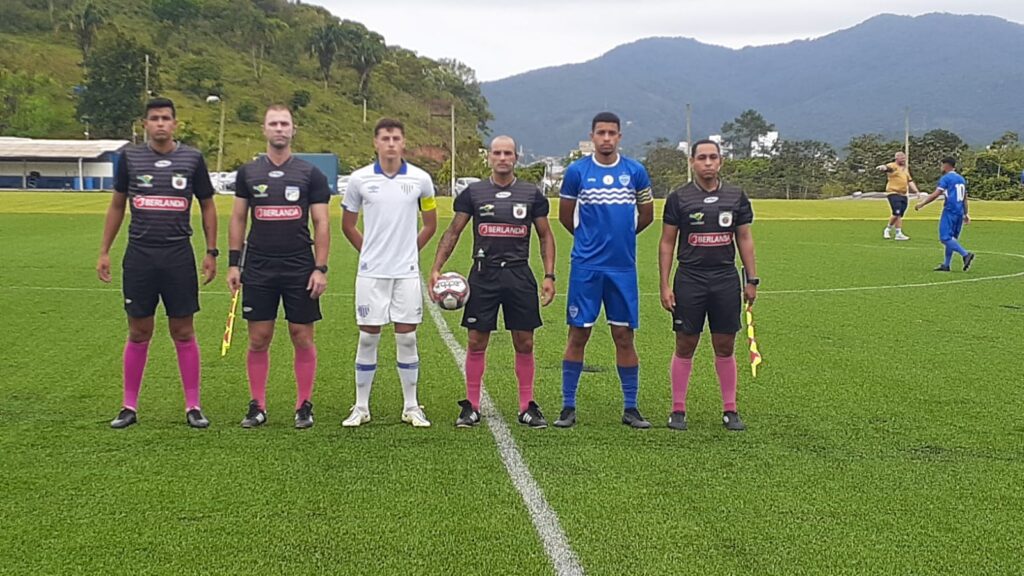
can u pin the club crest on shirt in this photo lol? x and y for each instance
(725, 219)
(487, 210)
(145, 180)
(276, 174)
(608, 180)
(624, 179)
(291, 193)
(696, 218)
(407, 188)
(259, 191)
(179, 182)
(162, 163)
(519, 211)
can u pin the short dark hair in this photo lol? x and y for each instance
(693, 148)
(388, 124)
(949, 160)
(161, 103)
(609, 117)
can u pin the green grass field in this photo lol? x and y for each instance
(885, 435)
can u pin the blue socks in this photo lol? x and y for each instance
(570, 382)
(953, 246)
(630, 377)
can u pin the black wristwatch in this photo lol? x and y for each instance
(753, 281)
(322, 269)
(552, 276)
(213, 252)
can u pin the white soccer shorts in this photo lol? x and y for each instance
(381, 301)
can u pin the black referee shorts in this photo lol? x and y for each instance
(513, 288)
(713, 293)
(154, 273)
(268, 280)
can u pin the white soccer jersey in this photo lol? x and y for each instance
(391, 209)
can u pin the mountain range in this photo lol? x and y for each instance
(960, 73)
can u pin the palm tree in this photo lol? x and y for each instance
(363, 50)
(324, 45)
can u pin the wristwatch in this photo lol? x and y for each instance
(552, 276)
(322, 269)
(753, 281)
(213, 252)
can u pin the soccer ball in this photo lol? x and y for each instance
(451, 291)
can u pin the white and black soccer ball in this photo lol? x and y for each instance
(451, 291)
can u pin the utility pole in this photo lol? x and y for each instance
(689, 145)
(453, 149)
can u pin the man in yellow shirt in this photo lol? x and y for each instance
(896, 189)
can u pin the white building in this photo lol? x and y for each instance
(28, 163)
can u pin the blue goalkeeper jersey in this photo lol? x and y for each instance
(954, 188)
(605, 219)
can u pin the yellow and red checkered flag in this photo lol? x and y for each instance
(230, 327)
(755, 355)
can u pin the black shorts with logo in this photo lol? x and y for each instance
(154, 273)
(267, 280)
(709, 292)
(898, 204)
(513, 288)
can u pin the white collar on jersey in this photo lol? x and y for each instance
(612, 165)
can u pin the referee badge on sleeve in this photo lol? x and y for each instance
(725, 219)
(519, 211)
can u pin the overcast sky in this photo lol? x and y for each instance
(503, 38)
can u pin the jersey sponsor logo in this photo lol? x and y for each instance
(259, 191)
(503, 230)
(519, 211)
(179, 182)
(163, 203)
(272, 213)
(709, 239)
(608, 180)
(145, 180)
(711, 199)
(624, 179)
(725, 219)
(162, 163)
(276, 174)
(291, 193)
(504, 194)
(696, 219)
(487, 210)
(591, 180)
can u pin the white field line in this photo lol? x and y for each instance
(545, 520)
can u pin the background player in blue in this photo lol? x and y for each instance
(605, 202)
(160, 178)
(953, 188)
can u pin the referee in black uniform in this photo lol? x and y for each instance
(159, 179)
(281, 193)
(710, 220)
(503, 209)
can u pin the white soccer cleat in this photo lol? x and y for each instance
(902, 236)
(416, 417)
(886, 234)
(358, 417)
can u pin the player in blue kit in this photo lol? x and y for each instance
(605, 202)
(953, 188)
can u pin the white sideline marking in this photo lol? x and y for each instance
(545, 520)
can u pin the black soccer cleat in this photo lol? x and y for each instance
(533, 417)
(677, 420)
(567, 419)
(255, 416)
(941, 268)
(468, 417)
(634, 419)
(731, 421)
(304, 415)
(125, 418)
(195, 418)
(968, 260)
